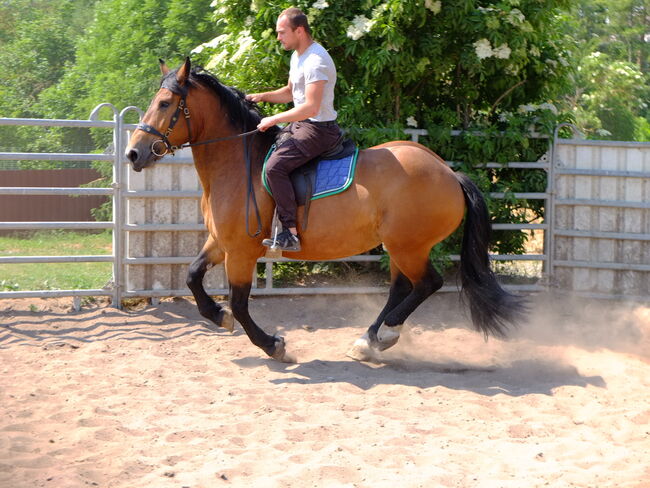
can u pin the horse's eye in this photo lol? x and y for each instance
(163, 104)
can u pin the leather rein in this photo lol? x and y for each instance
(170, 149)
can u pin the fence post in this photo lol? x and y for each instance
(549, 241)
(120, 192)
(117, 201)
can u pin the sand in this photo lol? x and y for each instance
(151, 398)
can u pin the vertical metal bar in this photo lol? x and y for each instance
(268, 284)
(549, 218)
(117, 200)
(119, 205)
(118, 238)
(549, 240)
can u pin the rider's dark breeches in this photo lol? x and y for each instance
(307, 141)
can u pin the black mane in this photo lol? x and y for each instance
(243, 115)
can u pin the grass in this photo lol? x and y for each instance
(55, 276)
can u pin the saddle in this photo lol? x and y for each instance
(328, 174)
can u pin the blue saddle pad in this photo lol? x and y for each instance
(332, 176)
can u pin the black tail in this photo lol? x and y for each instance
(492, 308)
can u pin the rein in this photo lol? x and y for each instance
(170, 149)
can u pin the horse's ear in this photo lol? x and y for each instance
(163, 67)
(183, 72)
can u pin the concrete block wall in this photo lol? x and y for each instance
(167, 174)
(593, 218)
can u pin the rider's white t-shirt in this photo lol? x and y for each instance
(315, 64)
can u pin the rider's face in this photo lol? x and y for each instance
(287, 36)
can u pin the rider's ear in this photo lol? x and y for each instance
(183, 72)
(163, 67)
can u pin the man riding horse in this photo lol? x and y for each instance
(312, 129)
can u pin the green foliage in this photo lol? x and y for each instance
(453, 63)
(116, 59)
(38, 46)
(612, 84)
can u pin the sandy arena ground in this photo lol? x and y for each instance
(151, 398)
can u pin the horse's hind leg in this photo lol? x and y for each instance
(210, 255)
(429, 282)
(399, 289)
(424, 280)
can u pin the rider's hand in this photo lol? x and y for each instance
(266, 123)
(254, 97)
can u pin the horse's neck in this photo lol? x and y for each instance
(223, 165)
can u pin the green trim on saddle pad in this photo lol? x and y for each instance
(322, 194)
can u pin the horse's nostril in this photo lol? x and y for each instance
(132, 155)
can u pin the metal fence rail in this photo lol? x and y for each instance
(124, 231)
(115, 256)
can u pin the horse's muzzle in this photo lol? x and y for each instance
(137, 161)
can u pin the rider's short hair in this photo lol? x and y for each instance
(296, 18)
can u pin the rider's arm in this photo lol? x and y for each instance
(311, 107)
(281, 95)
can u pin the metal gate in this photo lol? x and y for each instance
(157, 225)
(600, 232)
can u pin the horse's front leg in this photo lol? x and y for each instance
(240, 271)
(210, 255)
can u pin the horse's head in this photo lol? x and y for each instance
(159, 132)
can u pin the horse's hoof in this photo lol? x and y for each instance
(279, 351)
(387, 336)
(226, 320)
(360, 350)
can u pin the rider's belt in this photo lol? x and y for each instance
(327, 123)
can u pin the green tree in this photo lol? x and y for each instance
(611, 84)
(116, 59)
(38, 39)
(455, 63)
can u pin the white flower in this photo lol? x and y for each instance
(502, 52)
(483, 48)
(360, 26)
(411, 122)
(211, 44)
(548, 106)
(435, 7)
(320, 4)
(527, 108)
(534, 51)
(246, 42)
(516, 17)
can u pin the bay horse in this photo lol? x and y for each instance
(403, 196)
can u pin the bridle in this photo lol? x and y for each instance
(170, 149)
(182, 107)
